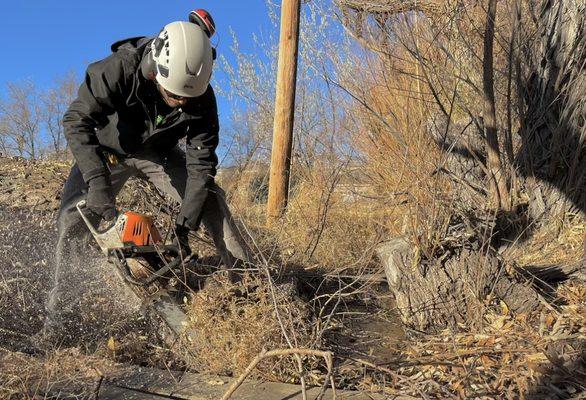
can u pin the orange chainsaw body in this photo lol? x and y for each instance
(140, 230)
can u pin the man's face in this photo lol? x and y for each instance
(171, 99)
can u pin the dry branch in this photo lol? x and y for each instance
(326, 355)
(391, 7)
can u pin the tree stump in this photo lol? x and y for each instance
(432, 296)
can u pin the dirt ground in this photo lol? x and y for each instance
(29, 201)
(26, 273)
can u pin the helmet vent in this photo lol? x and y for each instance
(188, 71)
(164, 71)
(158, 44)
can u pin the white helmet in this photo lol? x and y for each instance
(183, 56)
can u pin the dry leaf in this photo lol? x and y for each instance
(111, 344)
(504, 308)
(549, 320)
(487, 362)
(498, 322)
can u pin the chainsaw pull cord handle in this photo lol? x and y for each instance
(81, 207)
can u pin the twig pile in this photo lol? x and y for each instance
(236, 321)
(508, 359)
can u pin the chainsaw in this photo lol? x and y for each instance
(155, 271)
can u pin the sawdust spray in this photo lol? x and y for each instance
(88, 301)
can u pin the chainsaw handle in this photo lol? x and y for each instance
(82, 208)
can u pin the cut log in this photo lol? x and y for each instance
(440, 294)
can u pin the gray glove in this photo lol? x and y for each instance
(100, 199)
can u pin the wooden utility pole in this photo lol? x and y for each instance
(284, 109)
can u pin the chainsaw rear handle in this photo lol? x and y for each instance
(82, 209)
(108, 237)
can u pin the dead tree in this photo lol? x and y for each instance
(456, 282)
(552, 79)
(432, 295)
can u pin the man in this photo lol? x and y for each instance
(132, 110)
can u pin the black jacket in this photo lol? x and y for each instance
(114, 111)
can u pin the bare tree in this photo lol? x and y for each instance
(5, 142)
(536, 69)
(55, 102)
(20, 120)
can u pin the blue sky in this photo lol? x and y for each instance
(43, 40)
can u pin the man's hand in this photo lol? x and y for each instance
(181, 240)
(100, 199)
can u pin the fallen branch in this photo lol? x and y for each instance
(326, 355)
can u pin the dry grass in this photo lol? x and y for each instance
(510, 357)
(331, 222)
(331, 230)
(32, 184)
(560, 242)
(234, 322)
(398, 155)
(26, 377)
